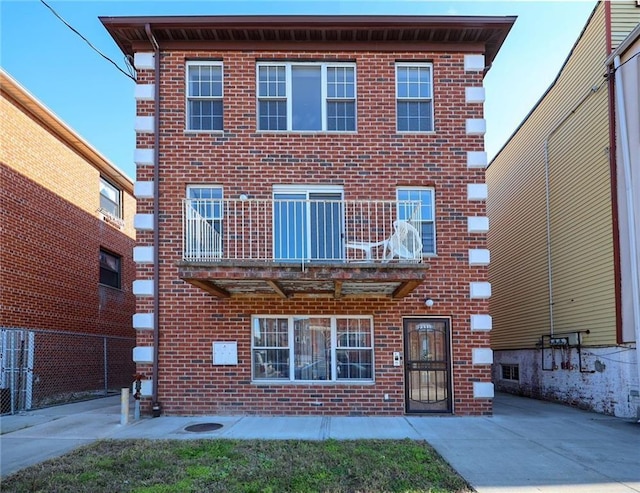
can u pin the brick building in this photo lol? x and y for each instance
(66, 241)
(311, 219)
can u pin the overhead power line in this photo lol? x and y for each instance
(130, 75)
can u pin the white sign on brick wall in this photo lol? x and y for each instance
(225, 353)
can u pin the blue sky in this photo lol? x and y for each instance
(89, 94)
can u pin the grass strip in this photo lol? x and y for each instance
(243, 466)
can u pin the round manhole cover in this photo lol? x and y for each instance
(203, 427)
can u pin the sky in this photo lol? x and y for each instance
(88, 92)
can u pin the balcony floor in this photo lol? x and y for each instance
(235, 279)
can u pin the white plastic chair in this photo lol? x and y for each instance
(404, 244)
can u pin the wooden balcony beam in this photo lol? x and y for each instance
(277, 288)
(405, 288)
(210, 288)
(337, 290)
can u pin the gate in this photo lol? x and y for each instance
(16, 370)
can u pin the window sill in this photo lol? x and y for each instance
(107, 286)
(416, 132)
(312, 382)
(205, 132)
(308, 132)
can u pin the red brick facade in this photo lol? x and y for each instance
(369, 164)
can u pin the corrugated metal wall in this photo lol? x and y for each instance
(573, 119)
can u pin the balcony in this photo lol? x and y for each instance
(291, 247)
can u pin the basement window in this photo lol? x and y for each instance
(511, 372)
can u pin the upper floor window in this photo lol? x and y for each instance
(414, 97)
(426, 224)
(307, 97)
(109, 269)
(204, 96)
(110, 198)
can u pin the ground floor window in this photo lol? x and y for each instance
(312, 348)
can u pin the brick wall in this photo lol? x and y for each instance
(369, 165)
(51, 235)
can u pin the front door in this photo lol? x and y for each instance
(427, 366)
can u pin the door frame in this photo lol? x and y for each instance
(308, 190)
(448, 326)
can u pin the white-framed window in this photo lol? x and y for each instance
(204, 216)
(427, 226)
(204, 96)
(312, 348)
(306, 97)
(110, 198)
(414, 97)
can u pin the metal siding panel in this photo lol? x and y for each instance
(516, 208)
(625, 16)
(581, 232)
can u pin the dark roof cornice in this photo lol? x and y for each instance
(479, 34)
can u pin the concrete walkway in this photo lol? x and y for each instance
(527, 446)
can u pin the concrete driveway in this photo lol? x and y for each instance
(527, 446)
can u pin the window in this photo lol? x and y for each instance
(203, 225)
(204, 96)
(302, 348)
(307, 97)
(427, 214)
(414, 97)
(308, 223)
(511, 372)
(109, 269)
(110, 198)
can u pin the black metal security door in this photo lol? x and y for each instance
(427, 366)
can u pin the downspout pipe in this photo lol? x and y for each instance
(625, 152)
(155, 405)
(547, 194)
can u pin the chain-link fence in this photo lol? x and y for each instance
(40, 368)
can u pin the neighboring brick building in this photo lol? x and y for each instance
(268, 150)
(66, 241)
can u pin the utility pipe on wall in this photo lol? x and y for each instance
(547, 189)
(631, 210)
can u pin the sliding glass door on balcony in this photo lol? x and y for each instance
(308, 225)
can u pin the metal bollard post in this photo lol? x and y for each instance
(124, 407)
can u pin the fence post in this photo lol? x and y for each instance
(106, 369)
(124, 406)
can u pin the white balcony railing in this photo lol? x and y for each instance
(301, 230)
